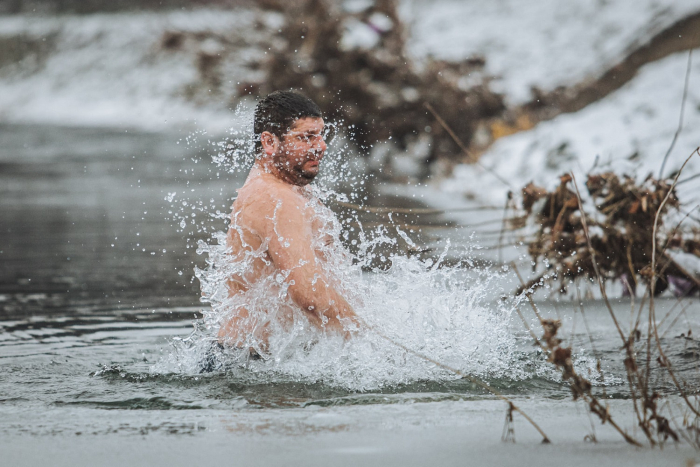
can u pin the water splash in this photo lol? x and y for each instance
(449, 312)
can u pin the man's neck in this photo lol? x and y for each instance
(265, 166)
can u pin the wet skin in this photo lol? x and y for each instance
(275, 208)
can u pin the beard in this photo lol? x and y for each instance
(294, 171)
(303, 177)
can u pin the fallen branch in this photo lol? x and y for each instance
(388, 210)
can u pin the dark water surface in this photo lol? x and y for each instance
(85, 223)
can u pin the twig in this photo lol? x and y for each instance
(675, 320)
(656, 221)
(495, 247)
(580, 386)
(652, 312)
(476, 381)
(680, 121)
(675, 229)
(438, 226)
(630, 361)
(669, 312)
(503, 225)
(387, 210)
(522, 284)
(588, 331)
(508, 434)
(527, 326)
(692, 177)
(461, 145)
(593, 260)
(679, 429)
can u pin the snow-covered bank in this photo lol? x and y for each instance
(547, 43)
(629, 131)
(112, 69)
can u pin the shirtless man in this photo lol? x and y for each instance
(274, 212)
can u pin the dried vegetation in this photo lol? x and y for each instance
(621, 232)
(372, 86)
(639, 210)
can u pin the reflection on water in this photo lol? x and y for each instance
(84, 223)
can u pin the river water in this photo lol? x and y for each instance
(98, 299)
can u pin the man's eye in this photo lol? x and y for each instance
(307, 138)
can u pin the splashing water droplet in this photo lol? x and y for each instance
(446, 312)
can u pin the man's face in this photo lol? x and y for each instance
(301, 150)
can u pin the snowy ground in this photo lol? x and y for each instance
(546, 43)
(629, 131)
(110, 69)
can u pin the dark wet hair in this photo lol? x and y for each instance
(278, 111)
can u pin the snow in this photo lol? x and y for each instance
(108, 69)
(358, 35)
(546, 43)
(628, 132)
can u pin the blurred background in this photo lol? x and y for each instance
(113, 115)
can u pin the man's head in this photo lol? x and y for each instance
(277, 112)
(289, 132)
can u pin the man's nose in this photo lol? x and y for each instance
(320, 148)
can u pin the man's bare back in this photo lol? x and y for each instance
(275, 215)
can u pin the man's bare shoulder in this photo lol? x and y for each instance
(263, 198)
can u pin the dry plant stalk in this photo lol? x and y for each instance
(511, 406)
(639, 380)
(561, 224)
(508, 435)
(560, 357)
(663, 359)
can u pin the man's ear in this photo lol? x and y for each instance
(270, 143)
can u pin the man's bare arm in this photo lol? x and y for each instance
(290, 236)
